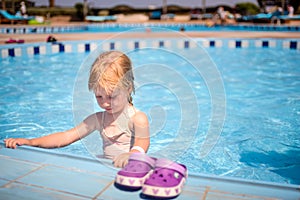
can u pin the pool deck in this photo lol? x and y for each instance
(42, 37)
(33, 173)
(30, 38)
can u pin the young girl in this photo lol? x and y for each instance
(123, 128)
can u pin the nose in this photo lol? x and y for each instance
(105, 103)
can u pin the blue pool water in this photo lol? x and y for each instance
(260, 137)
(187, 27)
(141, 27)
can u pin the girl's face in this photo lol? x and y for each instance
(113, 102)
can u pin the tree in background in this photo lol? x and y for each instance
(51, 3)
(79, 11)
(247, 8)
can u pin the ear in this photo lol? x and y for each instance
(129, 89)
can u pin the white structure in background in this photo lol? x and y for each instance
(290, 10)
(23, 8)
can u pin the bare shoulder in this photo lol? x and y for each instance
(140, 118)
(93, 120)
(94, 117)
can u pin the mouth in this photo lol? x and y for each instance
(108, 109)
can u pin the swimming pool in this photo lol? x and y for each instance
(259, 139)
(141, 27)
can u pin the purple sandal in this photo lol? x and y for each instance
(138, 169)
(166, 181)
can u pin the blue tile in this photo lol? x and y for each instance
(36, 50)
(70, 181)
(212, 43)
(293, 45)
(112, 46)
(186, 44)
(3, 182)
(136, 45)
(21, 191)
(191, 193)
(52, 157)
(11, 52)
(87, 48)
(265, 44)
(12, 169)
(61, 48)
(238, 44)
(161, 43)
(114, 193)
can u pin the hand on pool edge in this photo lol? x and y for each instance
(121, 160)
(14, 142)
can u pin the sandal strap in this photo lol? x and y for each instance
(168, 164)
(143, 157)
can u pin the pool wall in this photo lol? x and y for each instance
(26, 50)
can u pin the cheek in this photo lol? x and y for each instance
(115, 102)
(97, 99)
(100, 101)
(119, 101)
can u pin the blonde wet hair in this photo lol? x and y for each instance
(112, 70)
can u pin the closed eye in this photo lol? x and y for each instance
(113, 96)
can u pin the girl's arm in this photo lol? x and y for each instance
(142, 135)
(59, 139)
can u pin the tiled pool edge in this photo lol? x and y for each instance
(27, 50)
(197, 185)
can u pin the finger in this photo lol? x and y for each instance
(121, 162)
(5, 141)
(125, 162)
(116, 163)
(8, 142)
(114, 159)
(11, 143)
(16, 144)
